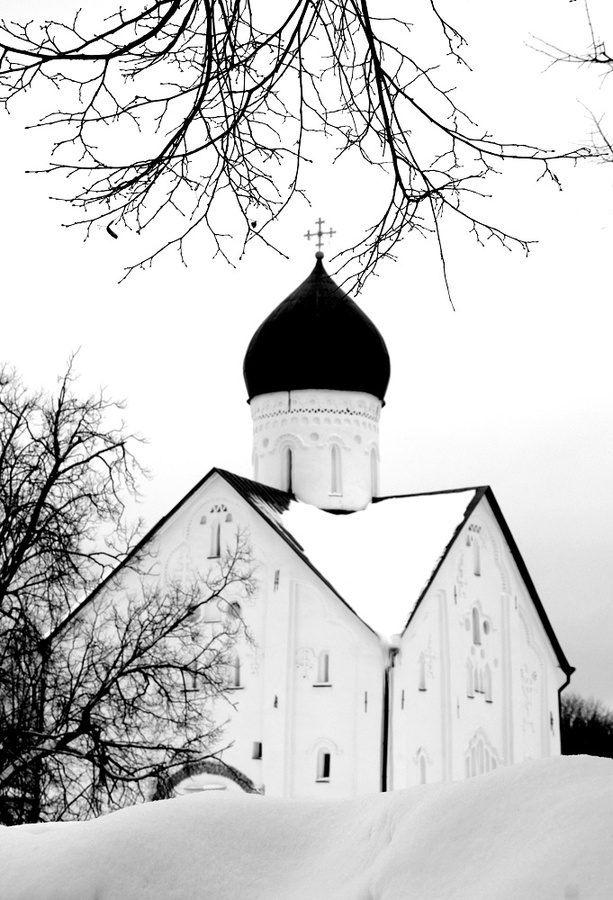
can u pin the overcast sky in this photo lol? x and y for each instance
(513, 389)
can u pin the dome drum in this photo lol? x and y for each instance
(323, 446)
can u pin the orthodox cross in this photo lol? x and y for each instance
(319, 234)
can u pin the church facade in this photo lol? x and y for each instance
(391, 641)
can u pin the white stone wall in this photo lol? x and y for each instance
(329, 439)
(473, 685)
(282, 702)
(476, 679)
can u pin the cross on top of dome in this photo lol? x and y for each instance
(319, 234)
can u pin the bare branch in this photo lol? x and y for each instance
(99, 696)
(198, 110)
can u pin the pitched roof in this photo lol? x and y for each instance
(380, 559)
(525, 575)
(417, 531)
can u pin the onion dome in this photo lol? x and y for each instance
(317, 338)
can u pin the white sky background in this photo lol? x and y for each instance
(513, 389)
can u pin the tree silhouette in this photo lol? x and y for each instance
(107, 675)
(597, 57)
(586, 726)
(208, 110)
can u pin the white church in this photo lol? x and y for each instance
(393, 640)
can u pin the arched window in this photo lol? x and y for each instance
(190, 678)
(476, 626)
(422, 769)
(480, 756)
(470, 679)
(210, 612)
(336, 486)
(422, 673)
(476, 557)
(286, 469)
(215, 548)
(323, 765)
(323, 668)
(234, 610)
(487, 684)
(234, 673)
(374, 473)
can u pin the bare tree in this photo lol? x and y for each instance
(207, 110)
(103, 690)
(595, 55)
(586, 726)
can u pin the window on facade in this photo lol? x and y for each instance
(335, 463)
(487, 684)
(323, 668)
(476, 626)
(422, 769)
(286, 469)
(323, 765)
(374, 473)
(257, 750)
(190, 678)
(476, 557)
(234, 610)
(234, 673)
(480, 758)
(195, 614)
(470, 680)
(210, 612)
(215, 548)
(422, 673)
(276, 580)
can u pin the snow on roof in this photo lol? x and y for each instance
(380, 559)
(536, 831)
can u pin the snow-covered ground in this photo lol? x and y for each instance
(541, 830)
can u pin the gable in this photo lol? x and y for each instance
(379, 562)
(495, 547)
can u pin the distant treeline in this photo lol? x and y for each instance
(586, 727)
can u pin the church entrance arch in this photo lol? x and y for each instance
(208, 775)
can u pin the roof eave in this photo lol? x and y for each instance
(523, 571)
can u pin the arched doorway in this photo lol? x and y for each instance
(208, 775)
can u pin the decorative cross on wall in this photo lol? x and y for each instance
(319, 234)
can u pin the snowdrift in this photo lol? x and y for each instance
(539, 830)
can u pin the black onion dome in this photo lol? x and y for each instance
(317, 338)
